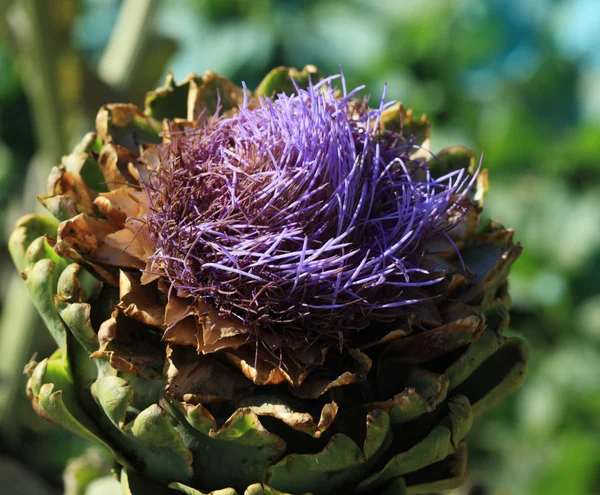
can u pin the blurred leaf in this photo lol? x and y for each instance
(574, 467)
(9, 82)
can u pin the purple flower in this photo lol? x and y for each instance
(300, 213)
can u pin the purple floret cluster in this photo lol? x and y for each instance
(300, 213)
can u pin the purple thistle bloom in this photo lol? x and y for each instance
(301, 213)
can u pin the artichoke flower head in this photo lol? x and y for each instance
(286, 283)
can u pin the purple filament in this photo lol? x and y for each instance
(300, 213)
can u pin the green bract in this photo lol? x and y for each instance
(182, 412)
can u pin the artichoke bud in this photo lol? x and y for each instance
(272, 292)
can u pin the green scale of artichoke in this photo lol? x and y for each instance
(396, 425)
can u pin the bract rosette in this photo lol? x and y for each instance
(272, 291)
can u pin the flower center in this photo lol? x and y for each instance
(299, 214)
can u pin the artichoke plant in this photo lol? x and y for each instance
(278, 291)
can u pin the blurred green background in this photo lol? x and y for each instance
(518, 80)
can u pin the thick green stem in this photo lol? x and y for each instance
(122, 58)
(18, 324)
(41, 63)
